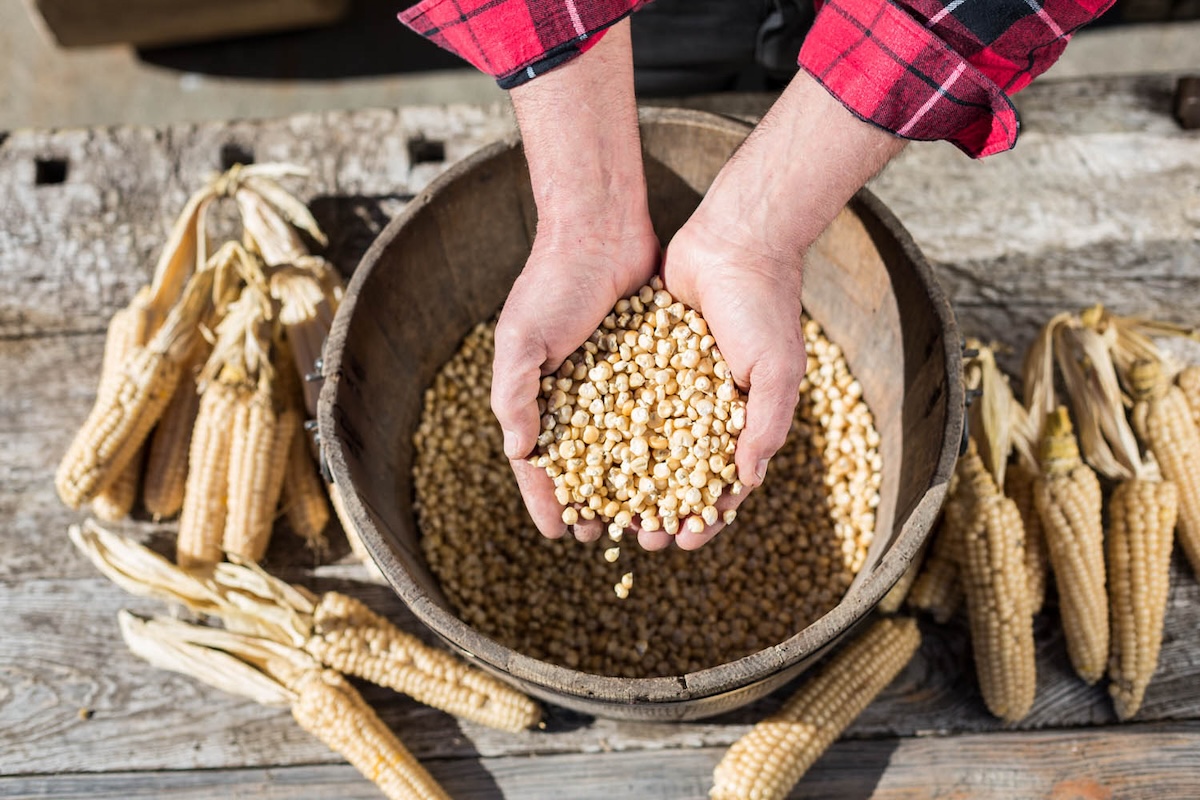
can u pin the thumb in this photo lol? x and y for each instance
(774, 391)
(516, 376)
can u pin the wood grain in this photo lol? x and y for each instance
(1131, 761)
(61, 653)
(1099, 202)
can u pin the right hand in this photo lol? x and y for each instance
(594, 243)
(569, 284)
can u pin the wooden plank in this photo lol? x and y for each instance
(75, 250)
(1099, 181)
(84, 23)
(61, 653)
(71, 253)
(1138, 761)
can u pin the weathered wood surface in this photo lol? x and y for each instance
(62, 655)
(1099, 202)
(1140, 761)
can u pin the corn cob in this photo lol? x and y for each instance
(1163, 422)
(257, 461)
(992, 570)
(769, 760)
(128, 406)
(116, 500)
(352, 639)
(120, 421)
(1189, 383)
(322, 701)
(303, 497)
(127, 330)
(893, 601)
(937, 590)
(202, 520)
(1018, 485)
(338, 630)
(328, 707)
(167, 459)
(1142, 514)
(1067, 496)
(357, 548)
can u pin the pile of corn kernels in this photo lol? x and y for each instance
(641, 422)
(796, 545)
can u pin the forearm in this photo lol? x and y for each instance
(580, 130)
(794, 173)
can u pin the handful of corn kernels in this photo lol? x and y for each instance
(642, 421)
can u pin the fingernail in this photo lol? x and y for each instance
(760, 470)
(510, 445)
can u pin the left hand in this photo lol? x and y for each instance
(738, 259)
(750, 298)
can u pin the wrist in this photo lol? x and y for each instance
(795, 172)
(579, 125)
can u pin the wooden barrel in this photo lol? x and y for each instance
(448, 262)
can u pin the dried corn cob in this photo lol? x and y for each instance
(1018, 485)
(893, 601)
(127, 330)
(328, 707)
(1163, 422)
(118, 425)
(336, 629)
(130, 404)
(992, 570)
(202, 521)
(322, 701)
(357, 547)
(1067, 495)
(1142, 514)
(116, 500)
(1189, 383)
(257, 461)
(768, 761)
(937, 590)
(303, 497)
(167, 460)
(351, 638)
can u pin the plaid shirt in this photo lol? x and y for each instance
(922, 69)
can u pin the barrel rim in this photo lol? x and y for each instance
(710, 682)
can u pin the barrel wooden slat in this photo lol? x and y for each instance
(412, 300)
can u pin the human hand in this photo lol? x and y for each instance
(594, 244)
(738, 261)
(565, 291)
(750, 298)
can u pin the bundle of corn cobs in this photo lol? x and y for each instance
(1026, 506)
(201, 397)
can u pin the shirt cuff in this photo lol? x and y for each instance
(890, 70)
(514, 41)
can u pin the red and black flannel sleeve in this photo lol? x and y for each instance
(940, 69)
(922, 69)
(516, 40)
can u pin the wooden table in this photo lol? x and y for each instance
(1100, 202)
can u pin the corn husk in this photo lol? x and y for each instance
(172, 645)
(1105, 437)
